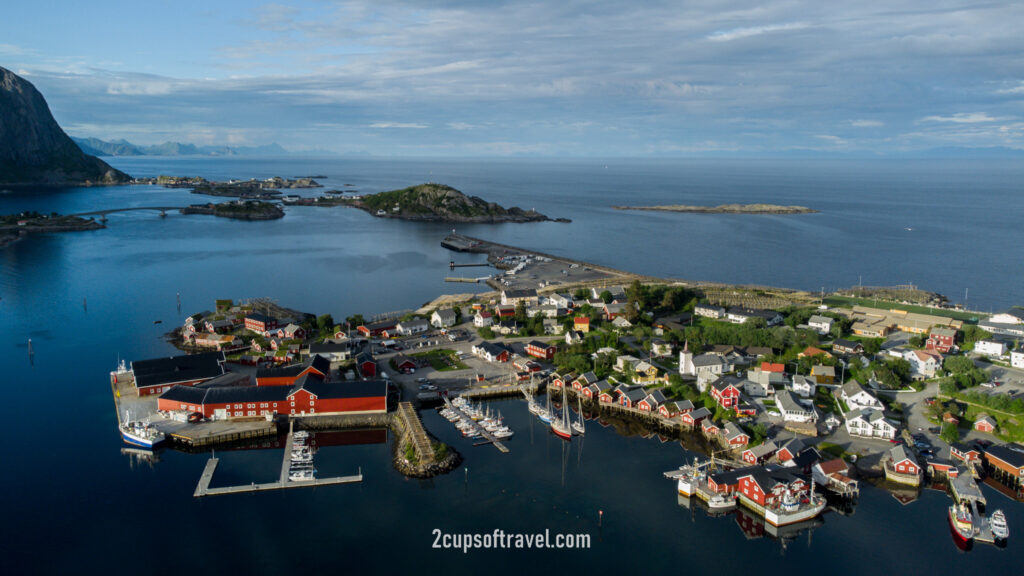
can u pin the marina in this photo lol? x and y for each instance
(464, 417)
(286, 479)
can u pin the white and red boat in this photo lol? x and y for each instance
(962, 523)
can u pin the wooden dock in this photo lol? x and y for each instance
(209, 433)
(203, 487)
(483, 431)
(965, 489)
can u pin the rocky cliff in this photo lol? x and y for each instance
(33, 148)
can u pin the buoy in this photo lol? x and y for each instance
(600, 516)
(31, 352)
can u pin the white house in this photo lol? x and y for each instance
(621, 323)
(820, 324)
(414, 326)
(552, 326)
(803, 386)
(483, 319)
(741, 315)
(442, 318)
(857, 397)
(990, 347)
(792, 410)
(755, 388)
(1011, 316)
(622, 361)
(924, 363)
(1017, 359)
(332, 350)
(709, 311)
(561, 300)
(870, 423)
(527, 296)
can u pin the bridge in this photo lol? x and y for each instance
(163, 210)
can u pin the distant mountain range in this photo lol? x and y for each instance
(98, 147)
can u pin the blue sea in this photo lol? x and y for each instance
(73, 501)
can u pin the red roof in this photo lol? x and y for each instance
(772, 367)
(833, 466)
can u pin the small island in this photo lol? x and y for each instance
(439, 203)
(239, 210)
(251, 188)
(14, 226)
(726, 209)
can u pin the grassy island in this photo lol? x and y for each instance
(239, 210)
(726, 209)
(440, 203)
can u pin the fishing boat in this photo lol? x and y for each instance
(561, 426)
(1000, 529)
(795, 508)
(962, 523)
(720, 503)
(141, 434)
(577, 425)
(692, 476)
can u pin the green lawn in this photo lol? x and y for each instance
(848, 301)
(441, 360)
(1007, 429)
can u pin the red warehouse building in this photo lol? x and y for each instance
(541, 350)
(308, 396)
(260, 323)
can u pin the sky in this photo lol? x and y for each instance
(503, 78)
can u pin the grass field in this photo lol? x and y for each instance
(441, 360)
(848, 301)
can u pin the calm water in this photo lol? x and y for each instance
(67, 482)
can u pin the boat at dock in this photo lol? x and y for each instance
(577, 425)
(721, 503)
(997, 523)
(139, 433)
(561, 426)
(689, 477)
(795, 508)
(961, 520)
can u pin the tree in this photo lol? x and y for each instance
(607, 297)
(355, 320)
(872, 346)
(916, 341)
(581, 294)
(325, 323)
(486, 333)
(950, 433)
(520, 314)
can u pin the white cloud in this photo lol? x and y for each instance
(836, 140)
(738, 33)
(411, 125)
(139, 88)
(1015, 90)
(962, 118)
(866, 123)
